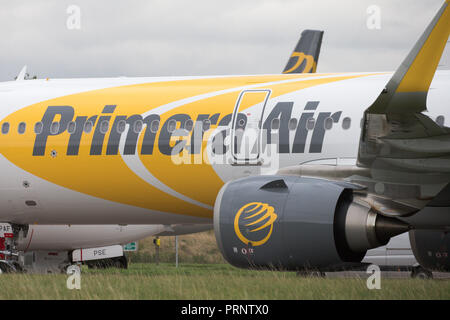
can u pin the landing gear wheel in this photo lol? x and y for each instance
(123, 262)
(421, 273)
(7, 268)
(18, 267)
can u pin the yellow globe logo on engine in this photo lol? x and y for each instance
(257, 218)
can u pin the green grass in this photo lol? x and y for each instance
(211, 281)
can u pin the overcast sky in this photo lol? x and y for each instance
(203, 37)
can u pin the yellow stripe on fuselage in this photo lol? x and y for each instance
(107, 176)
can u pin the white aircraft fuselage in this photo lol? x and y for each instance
(155, 154)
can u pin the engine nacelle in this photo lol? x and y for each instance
(431, 249)
(295, 223)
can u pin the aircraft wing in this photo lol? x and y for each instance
(405, 153)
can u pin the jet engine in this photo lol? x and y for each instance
(431, 249)
(297, 223)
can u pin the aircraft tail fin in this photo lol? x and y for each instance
(305, 57)
(22, 74)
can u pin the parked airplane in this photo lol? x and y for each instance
(50, 248)
(249, 152)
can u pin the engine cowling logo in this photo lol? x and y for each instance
(257, 219)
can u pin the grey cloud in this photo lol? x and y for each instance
(166, 37)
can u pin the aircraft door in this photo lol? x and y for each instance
(246, 125)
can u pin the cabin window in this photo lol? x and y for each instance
(104, 126)
(137, 127)
(71, 127)
(292, 125)
(346, 123)
(154, 126)
(440, 121)
(54, 127)
(275, 124)
(328, 123)
(171, 125)
(206, 124)
(310, 124)
(5, 127)
(121, 126)
(189, 124)
(22, 127)
(88, 126)
(38, 127)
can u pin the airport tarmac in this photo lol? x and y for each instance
(384, 274)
